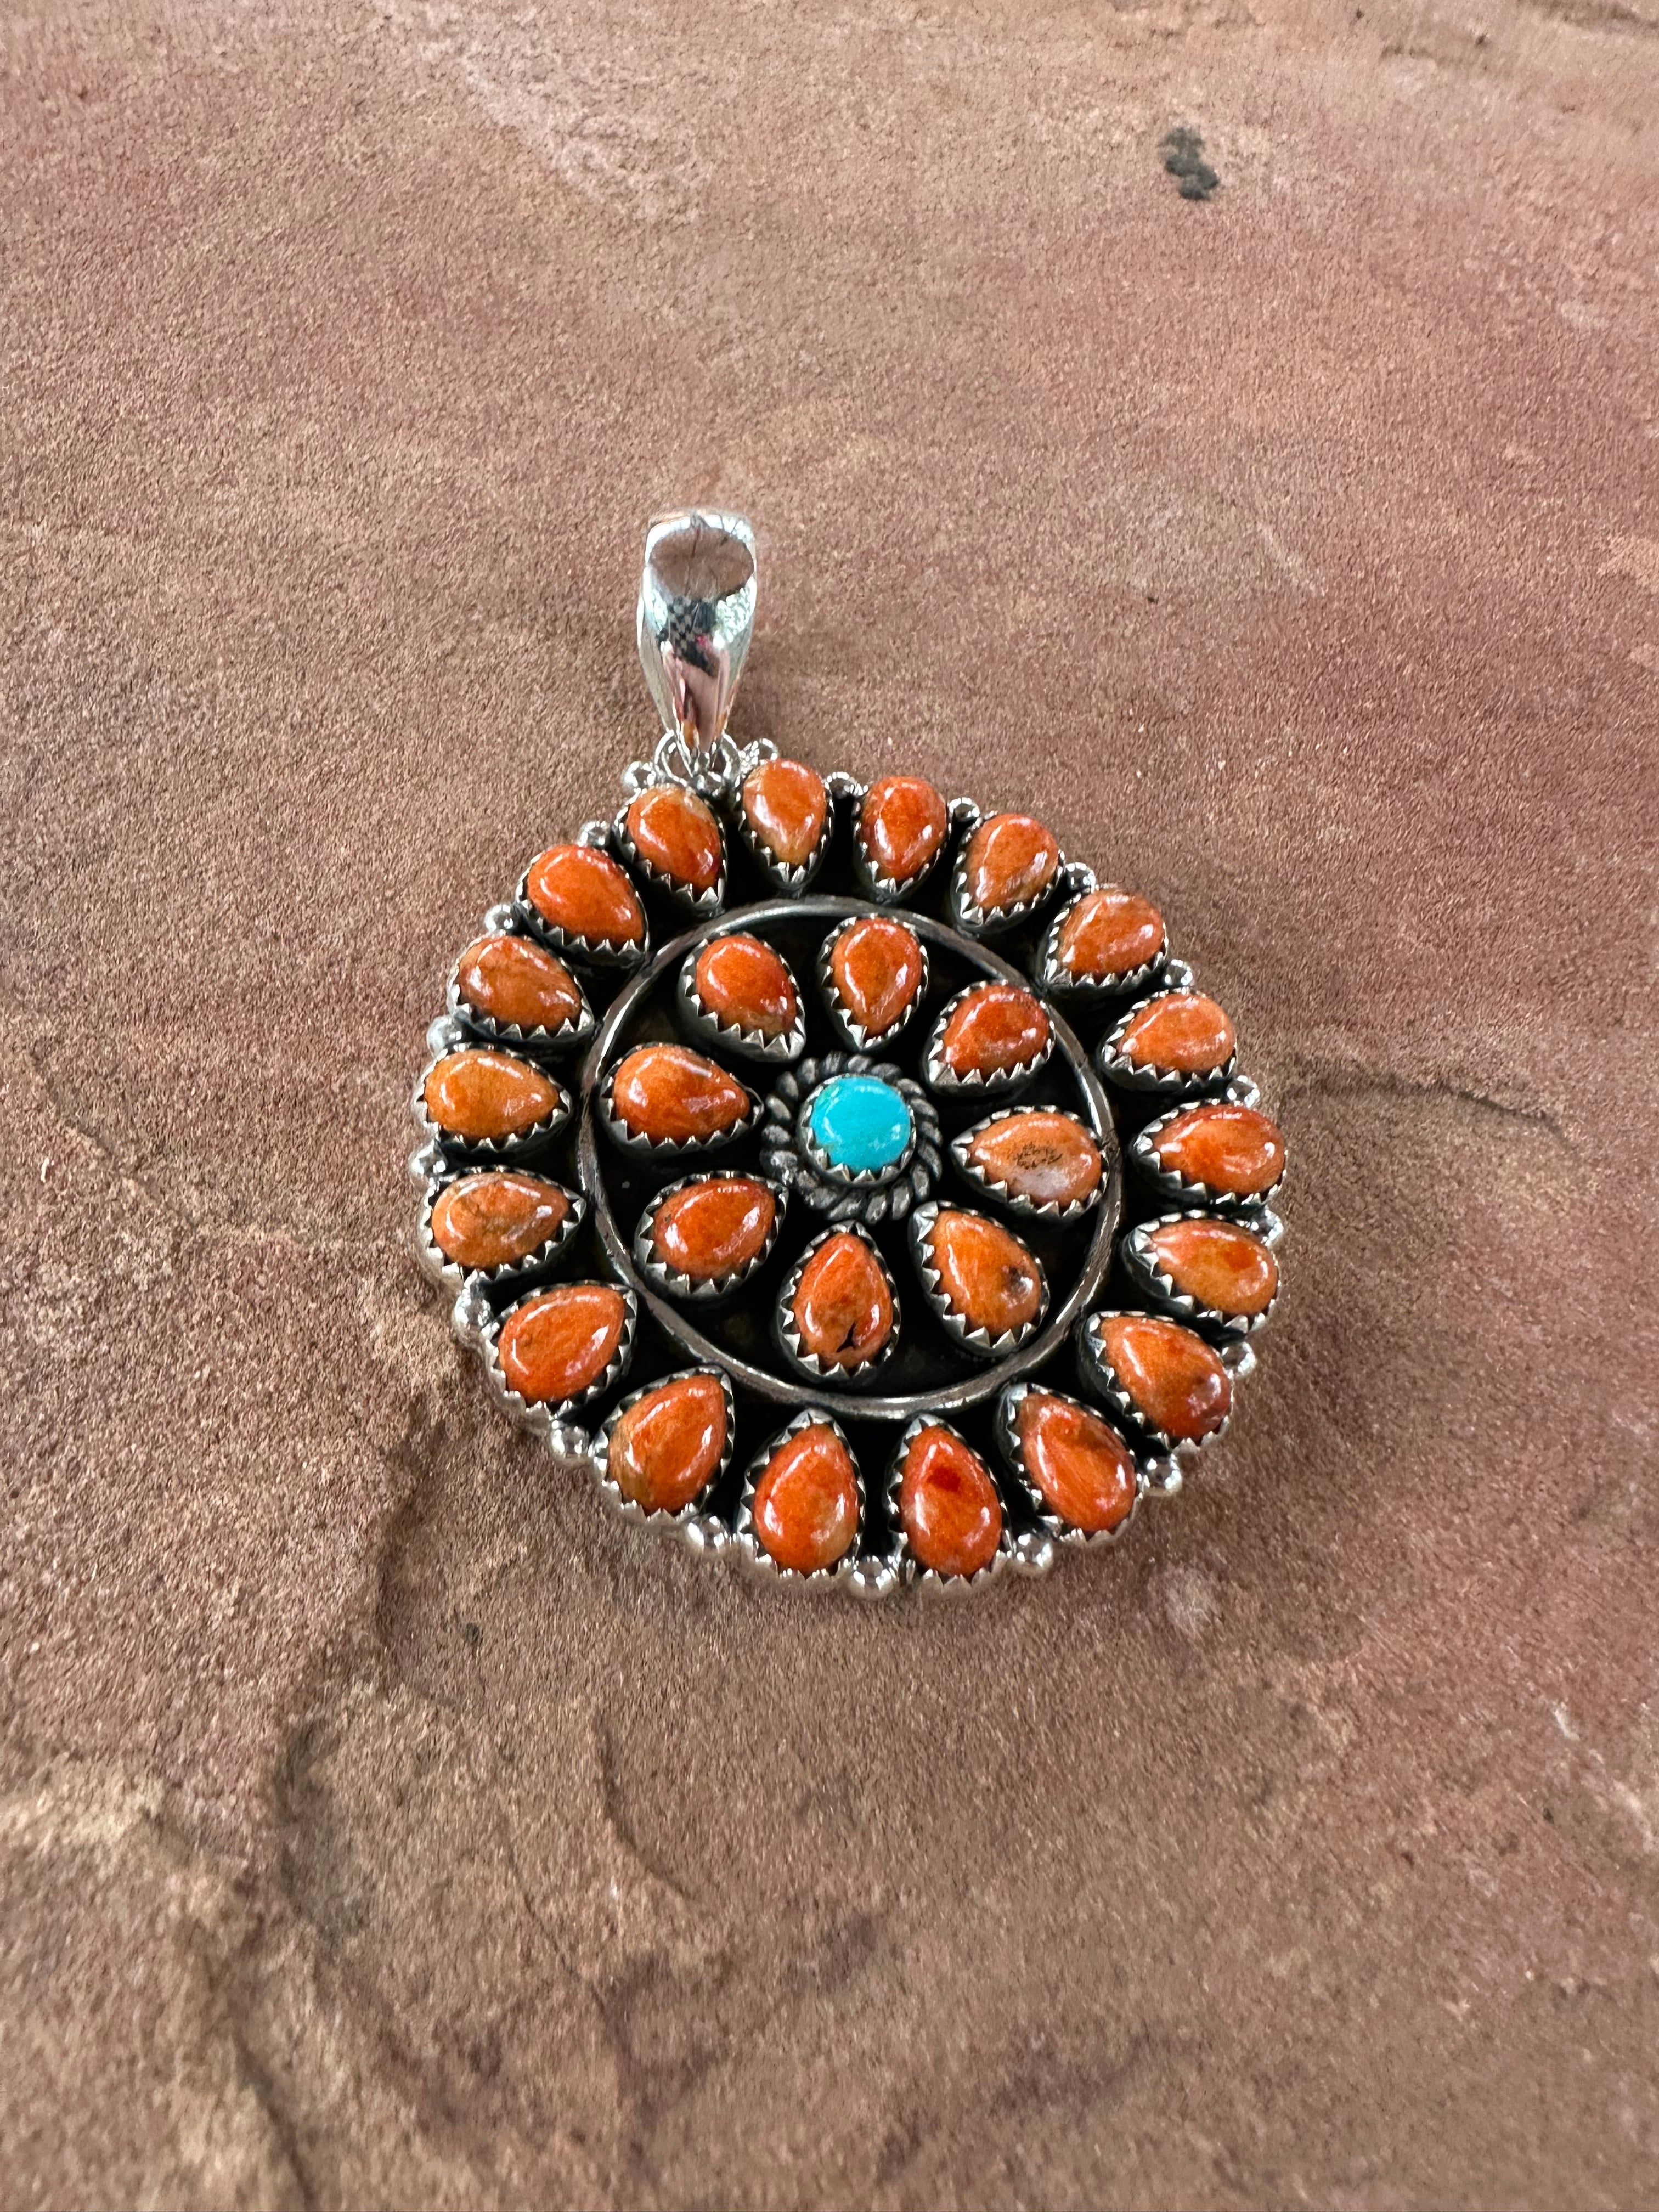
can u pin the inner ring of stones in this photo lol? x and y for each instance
(776, 1390)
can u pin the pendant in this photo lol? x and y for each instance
(838, 1174)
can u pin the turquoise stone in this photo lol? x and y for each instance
(861, 1123)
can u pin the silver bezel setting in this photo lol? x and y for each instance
(1056, 981)
(669, 1148)
(979, 1341)
(1170, 1083)
(1099, 1378)
(783, 875)
(787, 1337)
(706, 1290)
(1187, 1194)
(490, 1151)
(710, 900)
(569, 944)
(544, 1416)
(1011, 1201)
(1167, 1294)
(691, 1519)
(543, 1261)
(706, 1025)
(853, 1033)
(985, 923)
(1009, 1445)
(889, 891)
(790, 1153)
(754, 1554)
(569, 1036)
(910, 1568)
(1000, 1083)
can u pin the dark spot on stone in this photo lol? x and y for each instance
(1183, 157)
(473, 1633)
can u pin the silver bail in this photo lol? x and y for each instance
(696, 615)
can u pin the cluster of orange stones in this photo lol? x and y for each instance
(1159, 1342)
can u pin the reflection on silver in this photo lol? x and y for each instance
(696, 616)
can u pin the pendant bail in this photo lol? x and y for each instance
(696, 615)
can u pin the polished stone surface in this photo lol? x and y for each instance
(742, 981)
(670, 1095)
(714, 1226)
(667, 1445)
(1044, 1157)
(586, 893)
(515, 981)
(996, 1029)
(861, 1124)
(988, 1277)
(842, 1306)
(904, 820)
(1174, 1381)
(1010, 859)
(486, 1220)
(1109, 933)
(1178, 1033)
(677, 833)
(876, 967)
(1222, 1264)
(807, 1501)
(785, 802)
(555, 1345)
(948, 1504)
(1081, 1465)
(480, 1095)
(1238, 1152)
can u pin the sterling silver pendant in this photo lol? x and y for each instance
(838, 1174)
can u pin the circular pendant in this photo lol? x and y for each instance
(839, 1173)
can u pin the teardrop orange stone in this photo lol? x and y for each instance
(1109, 933)
(1179, 1032)
(582, 891)
(514, 980)
(986, 1274)
(903, 821)
(482, 1096)
(677, 833)
(1084, 1470)
(1010, 858)
(1174, 1381)
(663, 1093)
(876, 966)
(552, 1346)
(1048, 1158)
(1232, 1149)
(712, 1227)
(486, 1220)
(805, 1508)
(740, 980)
(667, 1446)
(1226, 1268)
(785, 804)
(948, 1504)
(995, 1029)
(842, 1308)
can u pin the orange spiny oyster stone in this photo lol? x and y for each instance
(1109, 933)
(554, 1345)
(995, 1029)
(785, 803)
(805, 1508)
(482, 1096)
(877, 968)
(582, 891)
(1010, 858)
(1180, 1033)
(1226, 1268)
(668, 1444)
(1048, 1158)
(1173, 1379)
(669, 1094)
(1083, 1467)
(903, 822)
(486, 1220)
(741, 981)
(987, 1276)
(1232, 1149)
(515, 981)
(714, 1227)
(677, 832)
(948, 1504)
(842, 1308)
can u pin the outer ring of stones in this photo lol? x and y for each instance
(792, 1394)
